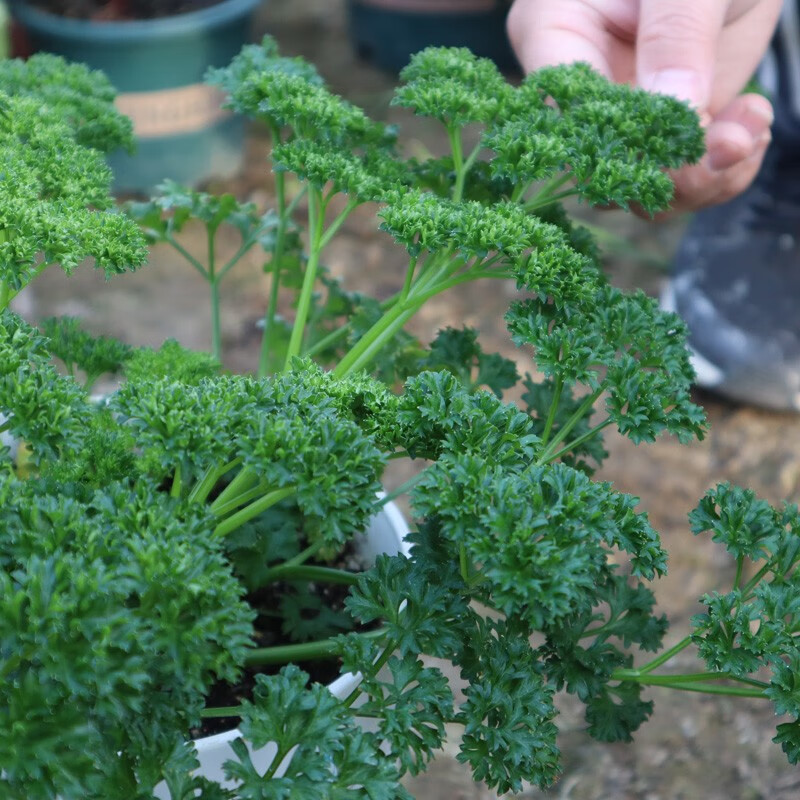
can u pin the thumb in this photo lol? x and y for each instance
(676, 47)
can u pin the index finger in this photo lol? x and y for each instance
(545, 32)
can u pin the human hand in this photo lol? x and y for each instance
(703, 51)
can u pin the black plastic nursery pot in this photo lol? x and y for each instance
(157, 66)
(389, 32)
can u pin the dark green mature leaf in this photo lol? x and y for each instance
(784, 687)
(303, 430)
(540, 536)
(740, 636)
(747, 526)
(509, 735)
(419, 616)
(631, 617)
(412, 706)
(538, 253)
(788, 737)
(624, 345)
(333, 758)
(438, 415)
(617, 712)
(107, 455)
(459, 352)
(286, 94)
(308, 617)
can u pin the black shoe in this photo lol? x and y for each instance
(736, 284)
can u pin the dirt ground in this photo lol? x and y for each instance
(694, 747)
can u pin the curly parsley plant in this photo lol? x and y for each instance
(139, 537)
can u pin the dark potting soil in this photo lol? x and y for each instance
(115, 10)
(269, 634)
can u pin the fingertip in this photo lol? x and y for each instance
(728, 143)
(543, 34)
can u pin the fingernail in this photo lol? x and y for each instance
(720, 159)
(685, 84)
(763, 112)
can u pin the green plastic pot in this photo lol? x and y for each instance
(388, 32)
(157, 66)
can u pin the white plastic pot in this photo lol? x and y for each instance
(386, 535)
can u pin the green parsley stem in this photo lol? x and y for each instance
(435, 269)
(456, 147)
(91, 380)
(275, 285)
(305, 651)
(337, 223)
(581, 439)
(547, 193)
(374, 339)
(665, 656)
(186, 254)
(379, 662)
(305, 554)
(518, 192)
(695, 682)
(276, 762)
(457, 280)
(7, 294)
(244, 248)
(316, 213)
(553, 198)
(213, 286)
(558, 387)
(754, 581)
(177, 483)
(295, 201)
(209, 479)
(392, 301)
(412, 265)
(216, 327)
(241, 499)
(221, 711)
(470, 160)
(242, 482)
(566, 428)
(334, 336)
(463, 563)
(402, 489)
(253, 510)
(739, 567)
(304, 572)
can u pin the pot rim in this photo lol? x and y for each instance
(164, 27)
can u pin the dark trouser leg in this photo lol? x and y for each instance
(736, 278)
